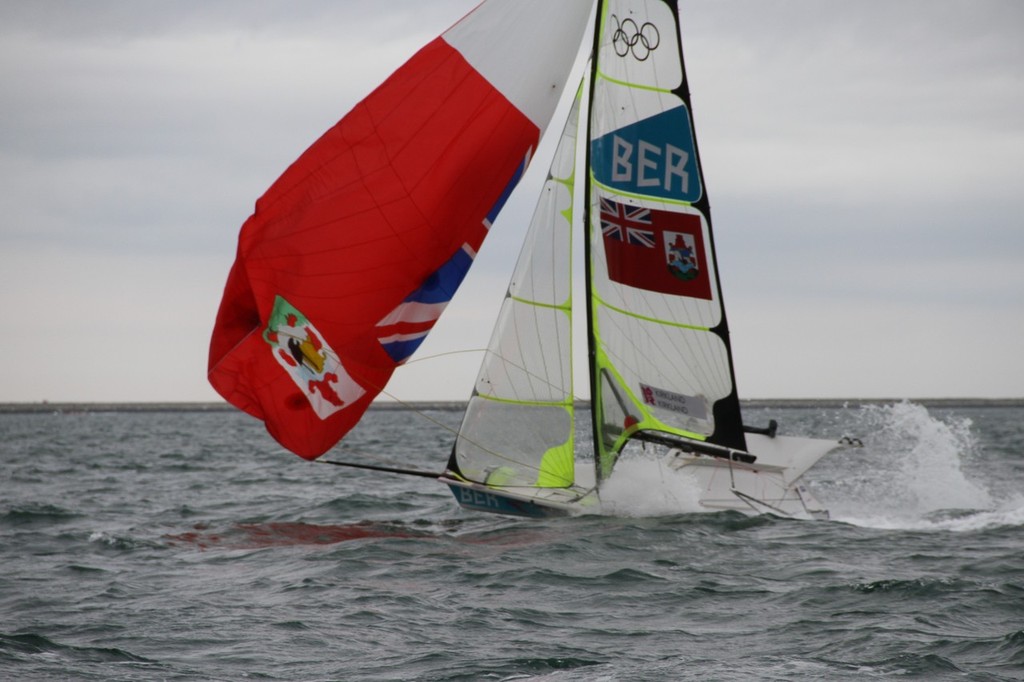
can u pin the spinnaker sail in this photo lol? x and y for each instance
(354, 252)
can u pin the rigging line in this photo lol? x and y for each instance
(454, 432)
(533, 375)
(751, 501)
(441, 355)
(486, 351)
(457, 434)
(334, 355)
(390, 470)
(421, 413)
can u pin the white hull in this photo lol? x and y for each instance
(521, 500)
(770, 485)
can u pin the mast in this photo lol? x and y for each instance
(595, 394)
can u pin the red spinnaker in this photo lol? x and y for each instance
(392, 199)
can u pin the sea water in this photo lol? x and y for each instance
(186, 545)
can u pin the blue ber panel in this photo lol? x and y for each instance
(653, 157)
(496, 503)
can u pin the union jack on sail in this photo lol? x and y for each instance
(655, 249)
(624, 222)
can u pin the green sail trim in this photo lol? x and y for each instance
(645, 318)
(567, 404)
(636, 86)
(564, 307)
(636, 195)
(558, 465)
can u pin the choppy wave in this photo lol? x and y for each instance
(187, 546)
(25, 646)
(35, 513)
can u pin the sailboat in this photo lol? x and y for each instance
(352, 255)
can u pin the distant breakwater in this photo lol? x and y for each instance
(458, 405)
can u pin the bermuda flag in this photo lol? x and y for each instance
(367, 234)
(660, 251)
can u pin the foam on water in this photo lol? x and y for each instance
(914, 473)
(646, 486)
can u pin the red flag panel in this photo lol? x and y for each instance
(655, 250)
(359, 221)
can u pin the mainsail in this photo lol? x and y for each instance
(659, 346)
(659, 356)
(353, 253)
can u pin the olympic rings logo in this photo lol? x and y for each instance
(628, 38)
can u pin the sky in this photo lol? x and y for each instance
(864, 163)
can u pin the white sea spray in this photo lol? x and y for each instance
(915, 472)
(648, 486)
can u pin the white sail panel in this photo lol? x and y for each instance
(611, 113)
(507, 41)
(526, 361)
(502, 444)
(535, 277)
(659, 338)
(674, 374)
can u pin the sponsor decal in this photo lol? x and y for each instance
(694, 406)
